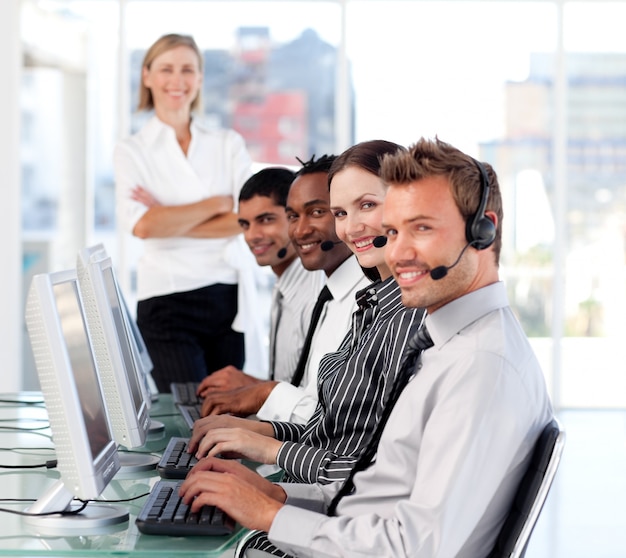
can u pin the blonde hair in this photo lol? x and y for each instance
(163, 44)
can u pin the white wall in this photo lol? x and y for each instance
(11, 329)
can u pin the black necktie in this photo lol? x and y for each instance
(324, 296)
(414, 348)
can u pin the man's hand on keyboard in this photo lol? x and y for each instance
(206, 424)
(243, 494)
(241, 402)
(225, 379)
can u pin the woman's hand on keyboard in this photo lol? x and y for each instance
(239, 442)
(204, 425)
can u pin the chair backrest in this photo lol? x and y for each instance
(531, 494)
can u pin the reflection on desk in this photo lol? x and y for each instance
(19, 539)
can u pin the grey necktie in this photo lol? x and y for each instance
(275, 314)
(414, 348)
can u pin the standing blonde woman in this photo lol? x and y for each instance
(176, 186)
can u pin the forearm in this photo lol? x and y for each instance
(307, 464)
(221, 226)
(164, 221)
(286, 431)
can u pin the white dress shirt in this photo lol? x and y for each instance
(297, 289)
(217, 163)
(297, 404)
(451, 455)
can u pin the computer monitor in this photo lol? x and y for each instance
(142, 351)
(86, 451)
(117, 356)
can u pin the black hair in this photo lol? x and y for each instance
(322, 164)
(271, 182)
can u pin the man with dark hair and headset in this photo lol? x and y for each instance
(311, 227)
(440, 472)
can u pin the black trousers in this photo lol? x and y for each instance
(189, 334)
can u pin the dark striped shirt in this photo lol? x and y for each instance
(353, 385)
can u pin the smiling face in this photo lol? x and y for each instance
(311, 223)
(265, 230)
(356, 199)
(425, 229)
(174, 79)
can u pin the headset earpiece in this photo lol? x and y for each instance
(480, 230)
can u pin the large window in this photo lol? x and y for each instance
(537, 89)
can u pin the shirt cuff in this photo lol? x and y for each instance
(288, 403)
(293, 528)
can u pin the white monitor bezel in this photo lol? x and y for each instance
(130, 424)
(83, 475)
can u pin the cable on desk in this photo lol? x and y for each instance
(24, 419)
(20, 429)
(22, 402)
(50, 464)
(64, 512)
(28, 514)
(28, 449)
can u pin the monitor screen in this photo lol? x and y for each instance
(82, 366)
(144, 356)
(121, 327)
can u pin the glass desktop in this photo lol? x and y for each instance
(19, 539)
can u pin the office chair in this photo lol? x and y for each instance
(527, 503)
(531, 494)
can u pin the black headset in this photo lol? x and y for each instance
(480, 231)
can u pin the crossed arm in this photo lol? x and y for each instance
(208, 218)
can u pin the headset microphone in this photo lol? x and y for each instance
(441, 271)
(480, 230)
(379, 241)
(328, 245)
(283, 251)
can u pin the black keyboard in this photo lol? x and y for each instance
(184, 393)
(175, 462)
(164, 513)
(190, 413)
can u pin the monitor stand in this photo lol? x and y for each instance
(156, 427)
(94, 518)
(135, 462)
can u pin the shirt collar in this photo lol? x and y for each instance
(450, 319)
(345, 279)
(156, 129)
